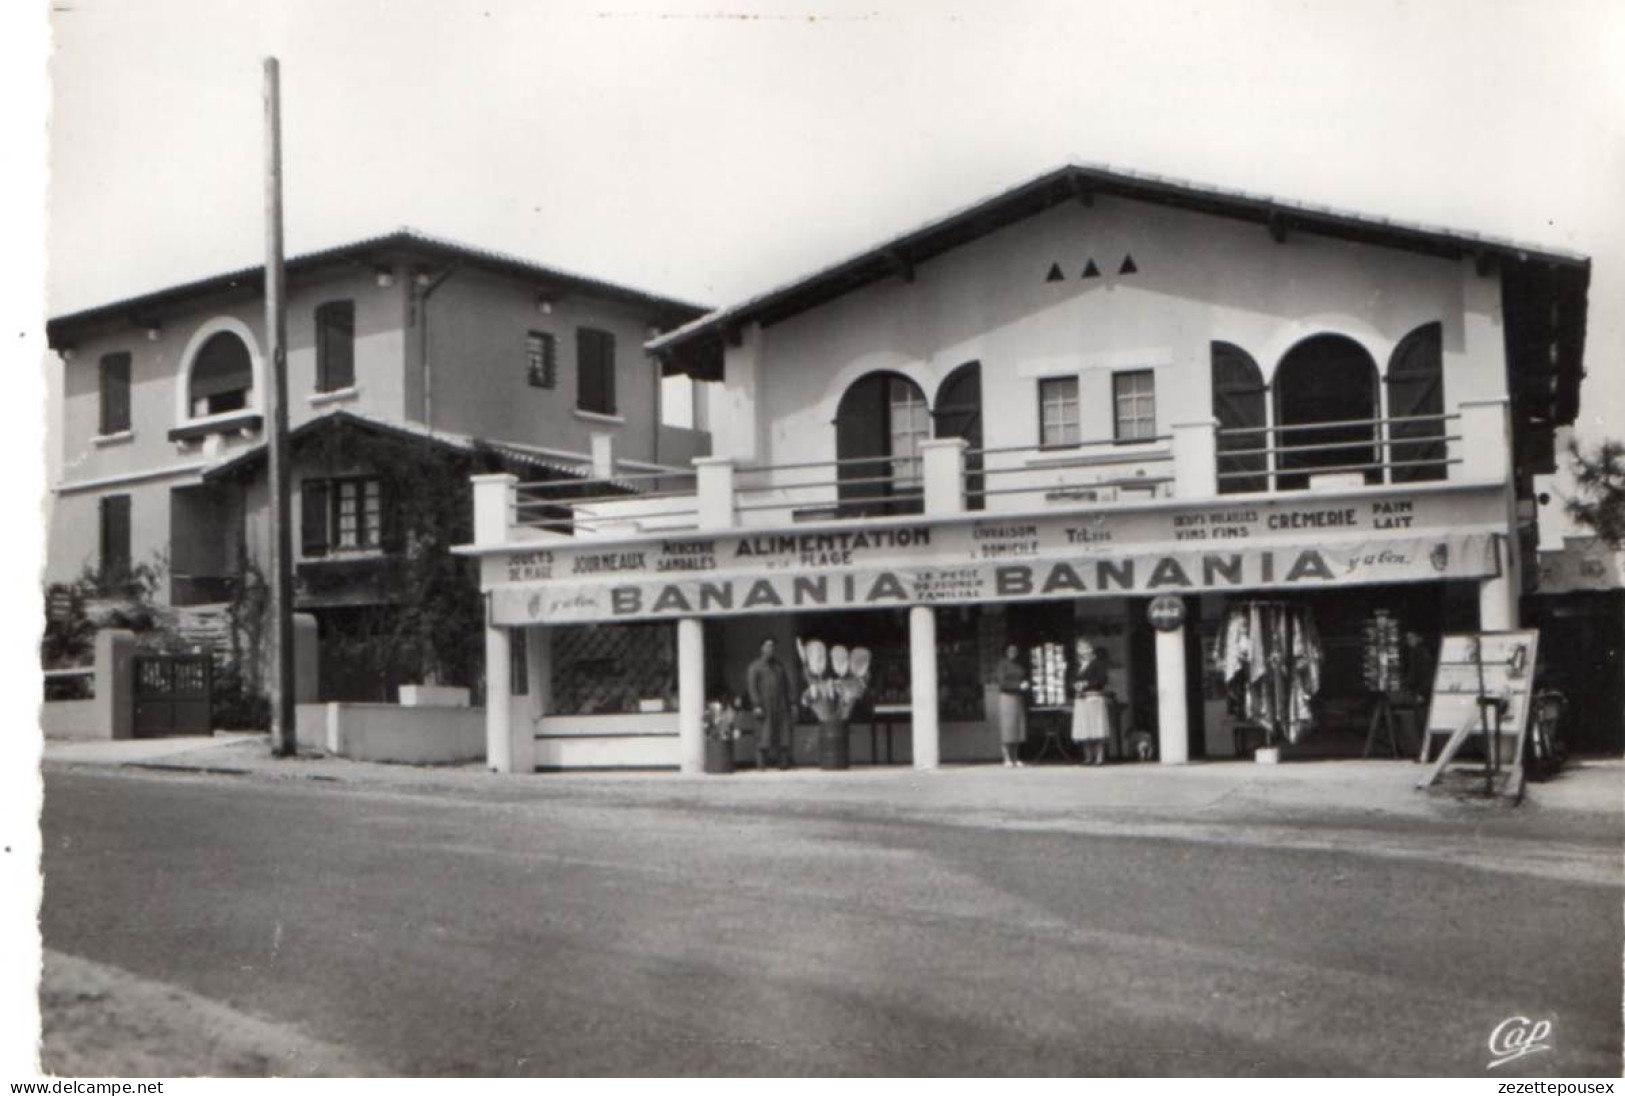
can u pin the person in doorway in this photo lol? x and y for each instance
(1091, 718)
(772, 700)
(1011, 680)
(1419, 668)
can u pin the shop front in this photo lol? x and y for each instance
(627, 640)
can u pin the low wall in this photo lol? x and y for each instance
(619, 741)
(392, 732)
(71, 719)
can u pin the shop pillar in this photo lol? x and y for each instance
(714, 487)
(691, 694)
(1173, 718)
(1498, 596)
(1196, 459)
(942, 468)
(922, 656)
(493, 507)
(508, 748)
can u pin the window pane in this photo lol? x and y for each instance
(1058, 411)
(910, 425)
(595, 369)
(1135, 404)
(115, 393)
(540, 356)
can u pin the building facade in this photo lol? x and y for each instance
(405, 355)
(1026, 422)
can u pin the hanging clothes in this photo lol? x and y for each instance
(1271, 659)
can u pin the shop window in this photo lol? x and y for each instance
(346, 514)
(1058, 422)
(1240, 407)
(115, 393)
(541, 359)
(1134, 403)
(1325, 379)
(595, 371)
(114, 563)
(607, 669)
(959, 415)
(879, 425)
(1416, 388)
(335, 346)
(222, 376)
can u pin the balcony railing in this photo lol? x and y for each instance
(1195, 461)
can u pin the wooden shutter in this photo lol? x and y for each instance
(595, 371)
(391, 531)
(335, 346)
(1238, 404)
(115, 384)
(115, 546)
(1416, 387)
(313, 517)
(862, 430)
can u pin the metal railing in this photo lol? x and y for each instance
(599, 505)
(851, 493)
(1058, 471)
(1395, 454)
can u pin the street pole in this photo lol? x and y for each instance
(284, 742)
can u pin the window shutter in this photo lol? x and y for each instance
(335, 346)
(115, 546)
(391, 533)
(862, 429)
(595, 371)
(115, 393)
(1238, 404)
(313, 518)
(1416, 387)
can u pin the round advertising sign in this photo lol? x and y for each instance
(1166, 613)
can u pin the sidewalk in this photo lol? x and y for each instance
(1370, 788)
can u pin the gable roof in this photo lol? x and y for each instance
(1549, 285)
(250, 280)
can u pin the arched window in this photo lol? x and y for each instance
(222, 376)
(1325, 379)
(959, 415)
(1239, 406)
(879, 425)
(1416, 388)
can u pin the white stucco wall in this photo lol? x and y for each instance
(1200, 278)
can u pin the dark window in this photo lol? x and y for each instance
(335, 346)
(115, 539)
(541, 359)
(595, 371)
(879, 425)
(1239, 402)
(959, 415)
(1325, 379)
(1058, 412)
(115, 386)
(222, 376)
(1416, 388)
(1134, 403)
(345, 515)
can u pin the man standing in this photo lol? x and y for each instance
(770, 695)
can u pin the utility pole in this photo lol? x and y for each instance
(284, 742)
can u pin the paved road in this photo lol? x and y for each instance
(444, 933)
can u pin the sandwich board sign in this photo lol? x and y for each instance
(1483, 679)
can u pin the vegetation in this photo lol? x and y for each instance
(1600, 477)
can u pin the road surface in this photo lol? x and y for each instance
(445, 933)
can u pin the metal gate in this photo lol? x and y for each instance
(173, 694)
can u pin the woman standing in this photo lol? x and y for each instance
(1091, 720)
(1011, 681)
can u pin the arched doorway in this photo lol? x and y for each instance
(1325, 379)
(879, 425)
(958, 414)
(1416, 389)
(1239, 405)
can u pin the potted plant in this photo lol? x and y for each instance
(836, 680)
(721, 729)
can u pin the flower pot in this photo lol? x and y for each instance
(1267, 755)
(833, 750)
(719, 755)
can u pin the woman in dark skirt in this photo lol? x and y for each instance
(1011, 680)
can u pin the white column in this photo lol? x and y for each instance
(691, 694)
(1196, 459)
(714, 486)
(1486, 440)
(493, 507)
(922, 661)
(1498, 596)
(603, 455)
(499, 753)
(1173, 720)
(539, 672)
(942, 469)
